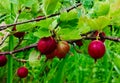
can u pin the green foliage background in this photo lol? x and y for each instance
(75, 67)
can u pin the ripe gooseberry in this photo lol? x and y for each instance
(62, 49)
(18, 34)
(46, 45)
(3, 60)
(96, 49)
(22, 72)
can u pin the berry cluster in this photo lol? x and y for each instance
(53, 48)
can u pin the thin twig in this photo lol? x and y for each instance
(77, 50)
(7, 34)
(4, 38)
(20, 40)
(19, 50)
(42, 18)
(19, 60)
(116, 39)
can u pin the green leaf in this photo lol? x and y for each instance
(25, 16)
(68, 30)
(28, 3)
(42, 32)
(83, 26)
(117, 60)
(114, 6)
(26, 27)
(67, 16)
(35, 7)
(98, 23)
(101, 8)
(4, 6)
(69, 24)
(115, 17)
(63, 16)
(49, 6)
(45, 26)
(45, 23)
(115, 12)
(33, 58)
(69, 34)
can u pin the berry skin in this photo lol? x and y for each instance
(62, 49)
(96, 49)
(46, 45)
(18, 34)
(22, 72)
(3, 60)
(50, 55)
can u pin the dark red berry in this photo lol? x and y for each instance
(46, 45)
(18, 34)
(3, 60)
(22, 72)
(79, 43)
(62, 49)
(101, 35)
(50, 55)
(96, 49)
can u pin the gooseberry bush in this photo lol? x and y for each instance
(59, 41)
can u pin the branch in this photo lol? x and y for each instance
(116, 39)
(19, 50)
(42, 18)
(19, 60)
(35, 45)
(4, 38)
(20, 41)
(112, 38)
(7, 34)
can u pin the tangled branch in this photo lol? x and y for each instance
(35, 45)
(42, 18)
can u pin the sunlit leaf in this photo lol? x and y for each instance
(26, 27)
(45, 23)
(28, 3)
(4, 6)
(50, 6)
(69, 34)
(33, 58)
(98, 23)
(69, 24)
(83, 26)
(42, 32)
(114, 6)
(66, 16)
(101, 8)
(115, 13)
